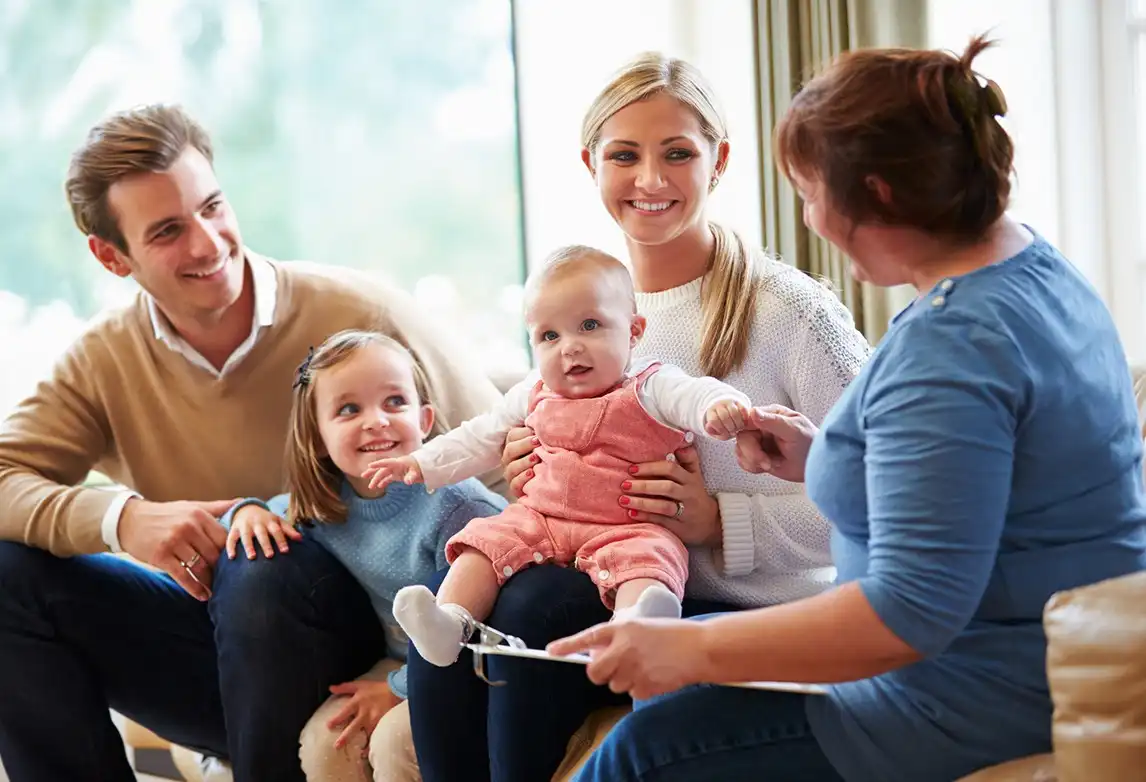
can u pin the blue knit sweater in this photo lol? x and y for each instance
(395, 540)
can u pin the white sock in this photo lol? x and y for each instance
(437, 631)
(656, 602)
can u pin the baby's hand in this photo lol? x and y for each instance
(725, 419)
(385, 471)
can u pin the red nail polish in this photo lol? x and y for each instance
(626, 485)
(536, 441)
(529, 473)
(624, 500)
(632, 513)
(534, 459)
(633, 469)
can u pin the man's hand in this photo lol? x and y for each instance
(181, 538)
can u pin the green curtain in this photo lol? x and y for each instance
(794, 40)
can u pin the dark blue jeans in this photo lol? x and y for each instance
(717, 734)
(236, 678)
(465, 729)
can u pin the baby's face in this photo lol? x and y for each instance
(582, 327)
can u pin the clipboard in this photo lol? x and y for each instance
(495, 642)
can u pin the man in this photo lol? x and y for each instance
(182, 396)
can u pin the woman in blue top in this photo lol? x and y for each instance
(987, 457)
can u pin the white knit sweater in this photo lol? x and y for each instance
(804, 351)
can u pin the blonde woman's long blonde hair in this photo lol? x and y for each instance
(314, 481)
(728, 299)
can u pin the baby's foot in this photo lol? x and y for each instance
(656, 602)
(437, 632)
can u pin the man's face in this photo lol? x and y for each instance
(183, 241)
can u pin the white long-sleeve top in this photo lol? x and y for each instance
(805, 350)
(669, 395)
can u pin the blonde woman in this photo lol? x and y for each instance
(657, 145)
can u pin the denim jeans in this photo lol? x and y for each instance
(722, 734)
(236, 678)
(518, 732)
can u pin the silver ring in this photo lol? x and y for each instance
(194, 561)
(679, 509)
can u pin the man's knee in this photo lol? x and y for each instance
(392, 753)
(253, 595)
(23, 570)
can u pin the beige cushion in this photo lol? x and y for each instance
(586, 740)
(1036, 768)
(1096, 666)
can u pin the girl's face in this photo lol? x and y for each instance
(367, 408)
(654, 167)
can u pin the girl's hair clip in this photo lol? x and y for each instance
(302, 375)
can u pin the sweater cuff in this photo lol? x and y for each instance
(229, 516)
(109, 525)
(739, 551)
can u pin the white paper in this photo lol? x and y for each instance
(583, 659)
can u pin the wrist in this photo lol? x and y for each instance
(703, 647)
(715, 538)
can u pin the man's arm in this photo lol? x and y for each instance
(48, 445)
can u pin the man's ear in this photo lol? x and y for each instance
(637, 329)
(879, 187)
(109, 256)
(427, 421)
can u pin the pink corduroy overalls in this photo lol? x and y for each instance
(571, 514)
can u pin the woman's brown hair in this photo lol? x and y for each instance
(314, 481)
(921, 121)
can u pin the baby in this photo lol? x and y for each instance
(594, 416)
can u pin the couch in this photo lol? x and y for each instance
(1096, 666)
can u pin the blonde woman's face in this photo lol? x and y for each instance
(653, 167)
(368, 408)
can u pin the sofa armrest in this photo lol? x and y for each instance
(1096, 667)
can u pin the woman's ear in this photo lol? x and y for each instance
(587, 159)
(881, 189)
(427, 419)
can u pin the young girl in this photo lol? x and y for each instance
(360, 395)
(595, 417)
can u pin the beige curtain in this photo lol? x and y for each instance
(794, 39)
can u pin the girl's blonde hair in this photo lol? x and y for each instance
(729, 294)
(315, 482)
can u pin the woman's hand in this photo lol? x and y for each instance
(366, 703)
(776, 442)
(254, 522)
(518, 458)
(643, 657)
(672, 494)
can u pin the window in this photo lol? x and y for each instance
(1078, 121)
(379, 135)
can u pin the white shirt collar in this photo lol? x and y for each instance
(265, 284)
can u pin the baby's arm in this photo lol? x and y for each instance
(465, 452)
(697, 404)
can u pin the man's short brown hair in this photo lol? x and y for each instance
(145, 139)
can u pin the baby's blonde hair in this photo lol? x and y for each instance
(314, 481)
(578, 259)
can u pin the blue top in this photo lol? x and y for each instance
(395, 540)
(988, 456)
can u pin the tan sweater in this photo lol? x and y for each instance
(123, 403)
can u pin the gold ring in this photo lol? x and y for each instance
(679, 509)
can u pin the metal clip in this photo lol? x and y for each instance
(488, 636)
